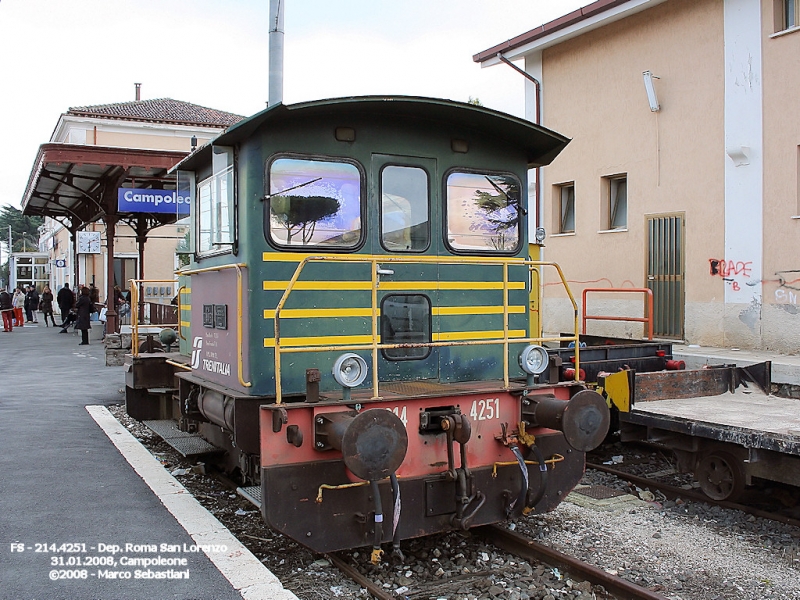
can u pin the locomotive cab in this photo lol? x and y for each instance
(359, 320)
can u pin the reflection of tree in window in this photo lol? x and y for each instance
(314, 202)
(482, 212)
(300, 214)
(500, 210)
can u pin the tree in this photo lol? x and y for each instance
(501, 209)
(474, 101)
(300, 214)
(24, 233)
(24, 229)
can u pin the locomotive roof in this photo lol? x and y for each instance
(540, 144)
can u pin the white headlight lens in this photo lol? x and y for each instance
(533, 360)
(350, 370)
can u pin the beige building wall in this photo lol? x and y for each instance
(781, 305)
(152, 141)
(593, 92)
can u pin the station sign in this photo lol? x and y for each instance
(152, 201)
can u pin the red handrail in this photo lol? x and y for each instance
(647, 319)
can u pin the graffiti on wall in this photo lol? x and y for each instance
(788, 288)
(733, 272)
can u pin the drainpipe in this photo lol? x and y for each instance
(275, 52)
(538, 120)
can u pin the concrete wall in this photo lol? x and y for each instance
(724, 151)
(780, 312)
(593, 92)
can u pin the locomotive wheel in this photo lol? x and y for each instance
(720, 475)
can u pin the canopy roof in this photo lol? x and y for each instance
(80, 182)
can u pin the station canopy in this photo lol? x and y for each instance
(79, 183)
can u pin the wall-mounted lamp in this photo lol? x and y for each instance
(193, 141)
(651, 91)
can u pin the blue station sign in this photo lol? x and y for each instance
(152, 201)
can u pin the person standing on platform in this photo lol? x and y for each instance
(19, 305)
(46, 305)
(7, 308)
(85, 308)
(66, 300)
(31, 304)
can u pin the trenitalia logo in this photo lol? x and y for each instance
(152, 201)
(197, 344)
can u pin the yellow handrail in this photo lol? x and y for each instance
(134, 287)
(374, 345)
(180, 311)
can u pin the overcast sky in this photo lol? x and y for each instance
(55, 54)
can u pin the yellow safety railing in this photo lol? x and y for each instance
(135, 311)
(374, 345)
(239, 311)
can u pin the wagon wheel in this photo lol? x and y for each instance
(721, 476)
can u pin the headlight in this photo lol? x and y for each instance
(350, 370)
(533, 360)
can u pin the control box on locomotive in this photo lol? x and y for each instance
(355, 322)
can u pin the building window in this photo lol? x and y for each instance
(406, 319)
(404, 209)
(565, 208)
(615, 202)
(314, 203)
(483, 212)
(787, 14)
(215, 206)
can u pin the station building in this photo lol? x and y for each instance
(78, 183)
(682, 176)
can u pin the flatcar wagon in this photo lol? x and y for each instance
(356, 323)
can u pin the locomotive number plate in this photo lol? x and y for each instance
(485, 410)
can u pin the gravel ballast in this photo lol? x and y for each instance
(682, 550)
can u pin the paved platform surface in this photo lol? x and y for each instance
(71, 503)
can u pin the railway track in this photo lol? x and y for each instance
(672, 492)
(526, 549)
(534, 551)
(343, 574)
(510, 542)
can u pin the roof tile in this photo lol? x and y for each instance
(159, 110)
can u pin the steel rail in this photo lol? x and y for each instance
(531, 550)
(360, 579)
(673, 492)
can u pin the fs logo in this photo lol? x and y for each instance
(197, 344)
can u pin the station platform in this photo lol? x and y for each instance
(87, 511)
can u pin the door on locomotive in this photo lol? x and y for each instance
(406, 207)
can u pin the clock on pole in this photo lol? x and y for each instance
(88, 242)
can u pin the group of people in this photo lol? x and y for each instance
(77, 311)
(25, 299)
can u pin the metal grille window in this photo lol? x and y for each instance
(406, 319)
(566, 204)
